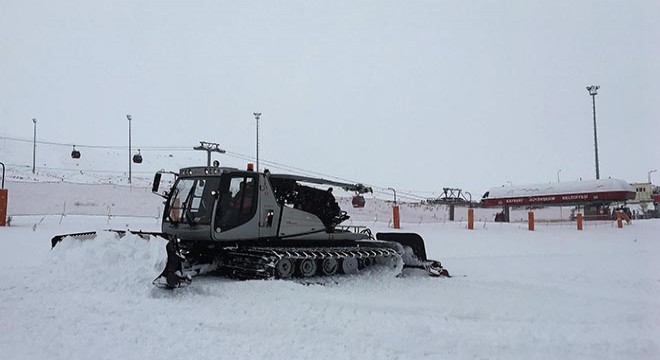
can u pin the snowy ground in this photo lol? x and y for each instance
(555, 293)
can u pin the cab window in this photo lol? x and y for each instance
(238, 203)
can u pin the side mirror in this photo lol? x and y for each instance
(156, 185)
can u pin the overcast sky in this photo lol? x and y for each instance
(415, 95)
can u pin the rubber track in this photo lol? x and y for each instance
(259, 263)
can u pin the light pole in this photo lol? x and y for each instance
(651, 172)
(34, 145)
(257, 116)
(129, 117)
(394, 195)
(593, 91)
(561, 210)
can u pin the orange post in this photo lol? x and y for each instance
(626, 217)
(470, 219)
(579, 221)
(619, 219)
(395, 217)
(530, 220)
(3, 207)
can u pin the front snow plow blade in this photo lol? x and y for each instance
(90, 235)
(414, 253)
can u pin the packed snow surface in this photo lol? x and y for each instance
(555, 293)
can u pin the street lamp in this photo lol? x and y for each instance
(394, 194)
(651, 172)
(34, 145)
(129, 117)
(558, 171)
(593, 91)
(257, 116)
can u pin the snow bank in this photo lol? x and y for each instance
(54, 198)
(107, 263)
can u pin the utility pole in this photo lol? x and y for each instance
(209, 147)
(34, 146)
(129, 147)
(651, 172)
(593, 91)
(257, 116)
(558, 171)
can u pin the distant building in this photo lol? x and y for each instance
(643, 191)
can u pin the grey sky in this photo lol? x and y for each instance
(410, 94)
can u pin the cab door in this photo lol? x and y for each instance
(237, 202)
(246, 208)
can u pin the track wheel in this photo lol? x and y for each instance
(329, 266)
(366, 262)
(284, 268)
(349, 265)
(307, 267)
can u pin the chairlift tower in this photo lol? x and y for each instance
(209, 147)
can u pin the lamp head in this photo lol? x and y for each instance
(593, 89)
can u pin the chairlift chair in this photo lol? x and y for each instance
(137, 158)
(358, 201)
(75, 154)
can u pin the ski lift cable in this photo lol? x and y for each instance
(382, 190)
(91, 171)
(117, 147)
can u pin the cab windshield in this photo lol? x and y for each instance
(192, 200)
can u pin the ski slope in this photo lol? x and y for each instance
(548, 294)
